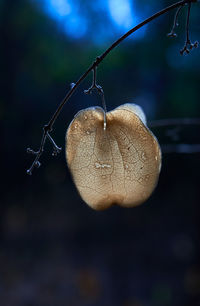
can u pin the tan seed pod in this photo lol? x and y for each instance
(117, 165)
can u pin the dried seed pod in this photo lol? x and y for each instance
(117, 165)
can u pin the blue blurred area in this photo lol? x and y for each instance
(67, 13)
(116, 16)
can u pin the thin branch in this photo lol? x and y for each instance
(175, 24)
(104, 108)
(174, 121)
(188, 44)
(173, 133)
(94, 85)
(99, 89)
(56, 150)
(48, 128)
(183, 148)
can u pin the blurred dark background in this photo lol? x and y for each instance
(55, 250)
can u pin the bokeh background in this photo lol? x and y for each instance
(55, 250)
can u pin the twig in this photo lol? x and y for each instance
(48, 128)
(174, 121)
(56, 150)
(175, 24)
(94, 85)
(188, 44)
(183, 148)
(99, 89)
(177, 123)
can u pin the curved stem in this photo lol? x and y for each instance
(48, 128)
(174, 121)
(188, 44)
(188, 21)
(175, 24)
(100, 58)
(183, 148)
